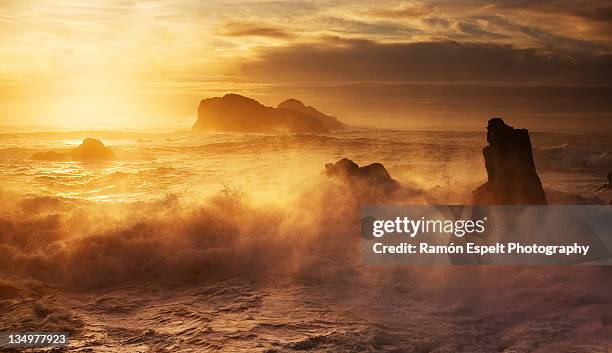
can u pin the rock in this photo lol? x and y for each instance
(235, 113)
(50, 156)
(92, 149)
(89, 149)
(607, 186)
(330, 122)
(512, 176)
(373, 175)
(343, 167)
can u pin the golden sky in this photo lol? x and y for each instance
(106, 62)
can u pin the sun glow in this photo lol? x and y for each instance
(110, 63)
(91, 104)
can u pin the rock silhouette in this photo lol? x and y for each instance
(607, 186)
(512, 176)
(330, 122)
(372, 175)
(92, 149)
(50, 156)
(89, 149)
(236, 113)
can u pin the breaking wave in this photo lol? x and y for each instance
(568, 158)
(81, 244)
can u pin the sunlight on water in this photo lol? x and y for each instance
(204, 211)
(152, 166)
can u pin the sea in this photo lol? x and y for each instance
(202, 242)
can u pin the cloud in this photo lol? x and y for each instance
(575, 20)
(476, 31)
(350, 61)
(264, 9)
(366, 28)
(160, 42)
(592, 9)
(556, 41)
(244, 29)
(601, 13)
(437, 22)
(406, 10)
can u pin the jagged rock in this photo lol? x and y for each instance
(372, 175)
(330, 122)
(512, 176)
(607, 186)
(236, 113)
(89, 149)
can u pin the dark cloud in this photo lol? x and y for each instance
(597, 13)
(592, 9)
(552, 40)
(350, 26)
(437, 22)
(581, 25)
(498, 21)
(243, 29)
(475, 31)
(545, 38)
(427, 61)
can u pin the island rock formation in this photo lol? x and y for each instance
(370, 176)
(330, 122)
(512, 176)
(90, 149)
(236, 113)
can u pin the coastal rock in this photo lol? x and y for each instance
(92, 149)
(330, 122)
(51, 156)
(89, 149)
(372, 175)
(236, 113)
(607, 186)
(512, 176)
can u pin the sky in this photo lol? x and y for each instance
(140, 63)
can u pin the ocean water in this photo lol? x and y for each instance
(239, 243)
(152, 166)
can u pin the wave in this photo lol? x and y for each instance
(223, 272)
(569, 158)
(79, 243)
(86, 244)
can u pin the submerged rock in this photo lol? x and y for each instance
(512, 176)
(89, 149)
(236, 113)
(372, 175)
